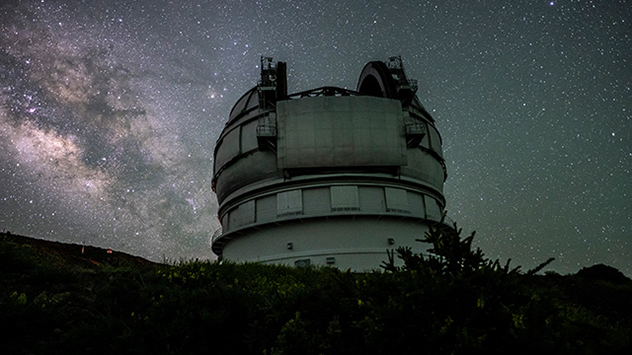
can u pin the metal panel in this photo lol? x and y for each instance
(371, 199)
(344, 198)
(225, 226)
(247, 212)
(243, 103)
(289, 203)
(424, 166)
(433, 211)
(266, 209)
(416, 204)
(249, 136)
(396, 200)
(316, 201)
(228, 149)
(243, 215)
(348, 131)
(425, 141)
(435, 140)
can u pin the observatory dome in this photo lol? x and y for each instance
(327, 176)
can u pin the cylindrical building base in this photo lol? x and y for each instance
(336, 241)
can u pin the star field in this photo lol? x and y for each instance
(109, 113)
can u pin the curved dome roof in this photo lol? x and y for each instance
(247, 102)
(376, 80)
(329, 131)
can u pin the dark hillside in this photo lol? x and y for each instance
(56, 300)
(73, 255)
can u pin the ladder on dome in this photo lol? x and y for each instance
(267, 92)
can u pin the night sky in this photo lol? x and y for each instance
(109, 113)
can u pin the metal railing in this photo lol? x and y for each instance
(266, 130)
(216, 235)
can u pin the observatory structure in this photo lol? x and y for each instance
(327, 176)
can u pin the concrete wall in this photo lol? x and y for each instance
(359, 244)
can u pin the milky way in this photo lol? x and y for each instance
(109, 113)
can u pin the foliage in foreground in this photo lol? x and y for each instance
(453, 301)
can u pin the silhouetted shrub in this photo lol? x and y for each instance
(452, 301)
(604, 273)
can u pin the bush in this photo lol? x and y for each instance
(604, 273)
(452, 301)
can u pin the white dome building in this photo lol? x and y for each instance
(327, 176)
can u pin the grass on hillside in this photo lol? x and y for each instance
(453, 301)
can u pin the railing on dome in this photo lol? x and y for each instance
(266, 130)
(216, 234)
(267, 86)
(396, 67)
(325, 91)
